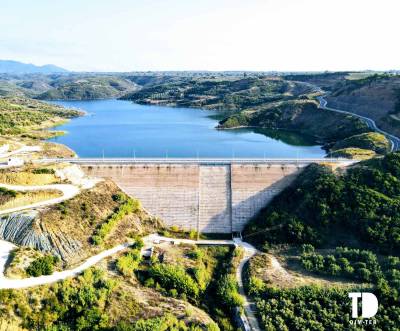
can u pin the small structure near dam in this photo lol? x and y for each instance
(206, 195)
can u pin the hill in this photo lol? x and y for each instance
(329, 233)
(335, 130)
(376, 96)
(15, 67)
(219, 93)
(22, 116)
(361, 206)
(88, 88)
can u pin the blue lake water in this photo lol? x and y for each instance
(119, 128)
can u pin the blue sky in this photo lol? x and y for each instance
(124, 35)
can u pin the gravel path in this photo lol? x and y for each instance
(249, 306)
(6, 283)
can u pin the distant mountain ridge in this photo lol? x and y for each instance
(15, 67)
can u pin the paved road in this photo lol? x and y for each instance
(395, 141)
(68, 192)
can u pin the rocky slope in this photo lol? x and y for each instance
(24, 229)
(66, 229)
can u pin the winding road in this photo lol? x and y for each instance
(395, 141)
(68, 191)
(7, 283)
(250, 319)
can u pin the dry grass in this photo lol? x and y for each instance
(27, 198)
(27, 178)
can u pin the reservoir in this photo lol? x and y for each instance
(117, 128)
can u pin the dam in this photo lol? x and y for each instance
(206, 195)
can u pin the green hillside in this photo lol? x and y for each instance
(90, 88)
(20, 115)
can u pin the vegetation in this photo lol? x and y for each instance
(127, 206)
(345, 262)
(227, 95)
(207, 280)
(360, 207)
(320, 308)
(91, 301)
(20, 115)
(374, 141)
(302, 116)
(42, 266)
(349, 85)
(375, 96)
(130, 261)
(47, 171)
(353, 153)
(176, 280)
(362, 203)
(168, 323)
(316, 308)
(6, 195)
(89, 88)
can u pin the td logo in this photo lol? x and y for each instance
(369, 304)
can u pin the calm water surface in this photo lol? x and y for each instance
(123, 129)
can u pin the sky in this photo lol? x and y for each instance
(259, 35)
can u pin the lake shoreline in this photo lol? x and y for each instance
(121, 128)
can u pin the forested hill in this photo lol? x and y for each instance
(338, 226)
(361, 207)
(90, 88)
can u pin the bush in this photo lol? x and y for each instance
(174, 277)
(227, 292)
(43, 171)
(129, 262)
(42, 266)
(195, 254)
(307, 249)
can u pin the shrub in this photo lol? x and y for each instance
(307, 249)
(174, 277)
(43, 171)
(227, 291)
(42, 266)
(193, 234)
(195, 254)
(129, 262)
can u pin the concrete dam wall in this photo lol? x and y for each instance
(210, 198)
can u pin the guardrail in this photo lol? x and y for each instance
(205, 161)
